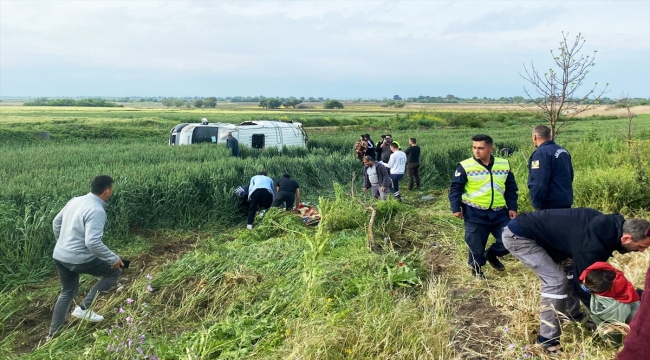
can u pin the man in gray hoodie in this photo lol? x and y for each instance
(78, 229)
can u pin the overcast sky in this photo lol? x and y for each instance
(333, 49)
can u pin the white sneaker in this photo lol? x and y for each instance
(87, 315)
(249, 227)
(262, 213)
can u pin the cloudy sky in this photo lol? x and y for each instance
(339, 49)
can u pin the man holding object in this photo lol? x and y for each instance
(78, 229)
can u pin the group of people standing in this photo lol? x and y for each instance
(562, 245)
(385, 165)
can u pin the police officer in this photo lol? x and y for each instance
(484, 193)
(550, 173)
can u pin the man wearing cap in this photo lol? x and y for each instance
(544, 238)
(636, 345)
(232, 144)
(483, 192)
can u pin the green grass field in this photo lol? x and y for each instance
(285, 290)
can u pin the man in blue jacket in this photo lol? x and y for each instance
(543, 239)
(483, 192)
(550, 173)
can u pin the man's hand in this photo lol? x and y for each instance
(459, 214)
(513, 214)
(365, 189)
(383, 188)
(118, 264)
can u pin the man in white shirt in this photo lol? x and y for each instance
(396, 165)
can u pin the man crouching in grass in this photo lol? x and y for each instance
(78, 230)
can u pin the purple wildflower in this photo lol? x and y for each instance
(129, 319)
(149, 288)
(149, 276)
(527, 347)
(130, 342)
(511, 346)
(139, 350)
(129, 301)
(121, 311)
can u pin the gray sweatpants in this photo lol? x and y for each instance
(377, 193)
(556, 290)
(69, 276)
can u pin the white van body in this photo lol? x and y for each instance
(254, 134)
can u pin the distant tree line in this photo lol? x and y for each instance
(91, 102)
(209, 102)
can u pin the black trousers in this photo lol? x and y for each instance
(284, 198)
(260, 199)
(413, 172)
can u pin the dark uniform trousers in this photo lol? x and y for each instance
(477, 234)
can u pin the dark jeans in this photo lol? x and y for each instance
(476, 236)
(286, 198)
(394, 184)
(69, 276)
(260, 199)
(413, 174)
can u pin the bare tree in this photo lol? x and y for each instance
(559, 99)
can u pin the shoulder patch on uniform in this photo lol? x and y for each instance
(534, 164)
(457, 173)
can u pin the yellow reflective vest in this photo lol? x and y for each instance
(485, 189)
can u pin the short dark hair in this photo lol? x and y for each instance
(383, 136)
(413, 140)
(598, 281)
(482, 137)
(368, 158)
(542, 132)
(387, 135)
(262, 173)
(100, 184)
(286, 176)
(367, 136)
(394, 145)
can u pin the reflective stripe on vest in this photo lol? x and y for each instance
(485, 190)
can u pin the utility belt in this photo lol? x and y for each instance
(476, 206)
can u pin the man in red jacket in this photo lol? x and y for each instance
(636, 345)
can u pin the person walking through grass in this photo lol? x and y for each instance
(232, 144)
(413, 163)
(541, 240)
(483, 193)
(375, 178)
(79, 230)
(260, 194)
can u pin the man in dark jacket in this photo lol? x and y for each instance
(232, 144)
(413, 163)
(636, 345)
(542, 239)
(375, 178)
(483, 192)
(550, 173)
(384, 149)
(370, 150)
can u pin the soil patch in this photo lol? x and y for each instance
(476, 324)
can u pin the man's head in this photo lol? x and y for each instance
(393, 147)
(102, 186)
(368, 160)
(263, 173)
(598, 281)
(229, 135)
(412, 141)
(541, 134)
(286, 176)
(366, 136)
(482, 147)
(389, 138)
(635, 235)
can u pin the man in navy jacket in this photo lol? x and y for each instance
(550, 173)
(542, 239)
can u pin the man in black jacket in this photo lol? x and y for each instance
(542, 239)
(550, 173)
